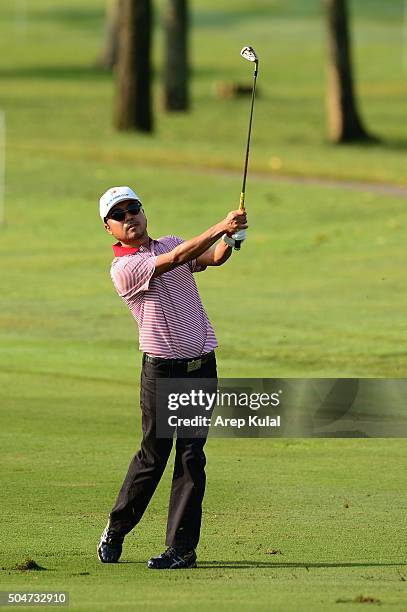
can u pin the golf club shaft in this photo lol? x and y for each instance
(246, 163)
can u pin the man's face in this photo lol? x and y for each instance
(127, 222)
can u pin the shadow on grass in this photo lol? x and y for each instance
(395, 144)
(93, 72)
(217, 18)
(276, 565)
(133, 562)
(374, 142)
(57, 72)
(70, 16)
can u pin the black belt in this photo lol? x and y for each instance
(191, 363)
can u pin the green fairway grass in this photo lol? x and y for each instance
(56, 100)
(289, 525)
(317, 290)
(310, 294)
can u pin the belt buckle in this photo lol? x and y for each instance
(194, 365)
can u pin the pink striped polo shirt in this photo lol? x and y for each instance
(171, 319)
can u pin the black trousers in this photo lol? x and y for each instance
(147, 466)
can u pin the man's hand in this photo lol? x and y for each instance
(217, 255)
(240, 235)
(235, 221)
(200, 247)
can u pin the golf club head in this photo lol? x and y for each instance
(250, 54)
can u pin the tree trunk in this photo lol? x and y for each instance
(345, 124)
(176, 97)
(108, 56)
(134, 71)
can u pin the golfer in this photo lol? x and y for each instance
(155, 279)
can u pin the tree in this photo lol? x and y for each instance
(134, 70)
(345, 124)
(176, 72)
(108, 56)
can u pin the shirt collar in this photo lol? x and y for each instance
(121, 251)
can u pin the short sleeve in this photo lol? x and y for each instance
(134, 276)
(194, 266)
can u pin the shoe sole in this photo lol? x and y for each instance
(187, 567)
(176, 567)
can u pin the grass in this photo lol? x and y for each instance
(314, 291)
(318, 290)
(323, 526)
(42, 77)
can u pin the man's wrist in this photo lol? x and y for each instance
(228, 240)
(219, 229)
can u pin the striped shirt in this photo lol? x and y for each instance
(171, 319)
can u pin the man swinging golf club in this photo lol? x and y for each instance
(155, 279)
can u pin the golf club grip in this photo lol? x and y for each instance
(241, 207)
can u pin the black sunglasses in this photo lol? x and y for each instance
(119, 214)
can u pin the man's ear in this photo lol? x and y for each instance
(107, 228)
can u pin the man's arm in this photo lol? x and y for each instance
(192, 249)
(216, 255)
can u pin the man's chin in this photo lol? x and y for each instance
(135, 237)
(134, 233)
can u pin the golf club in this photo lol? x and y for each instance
(249, 54)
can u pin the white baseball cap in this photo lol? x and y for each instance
(113, 196)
